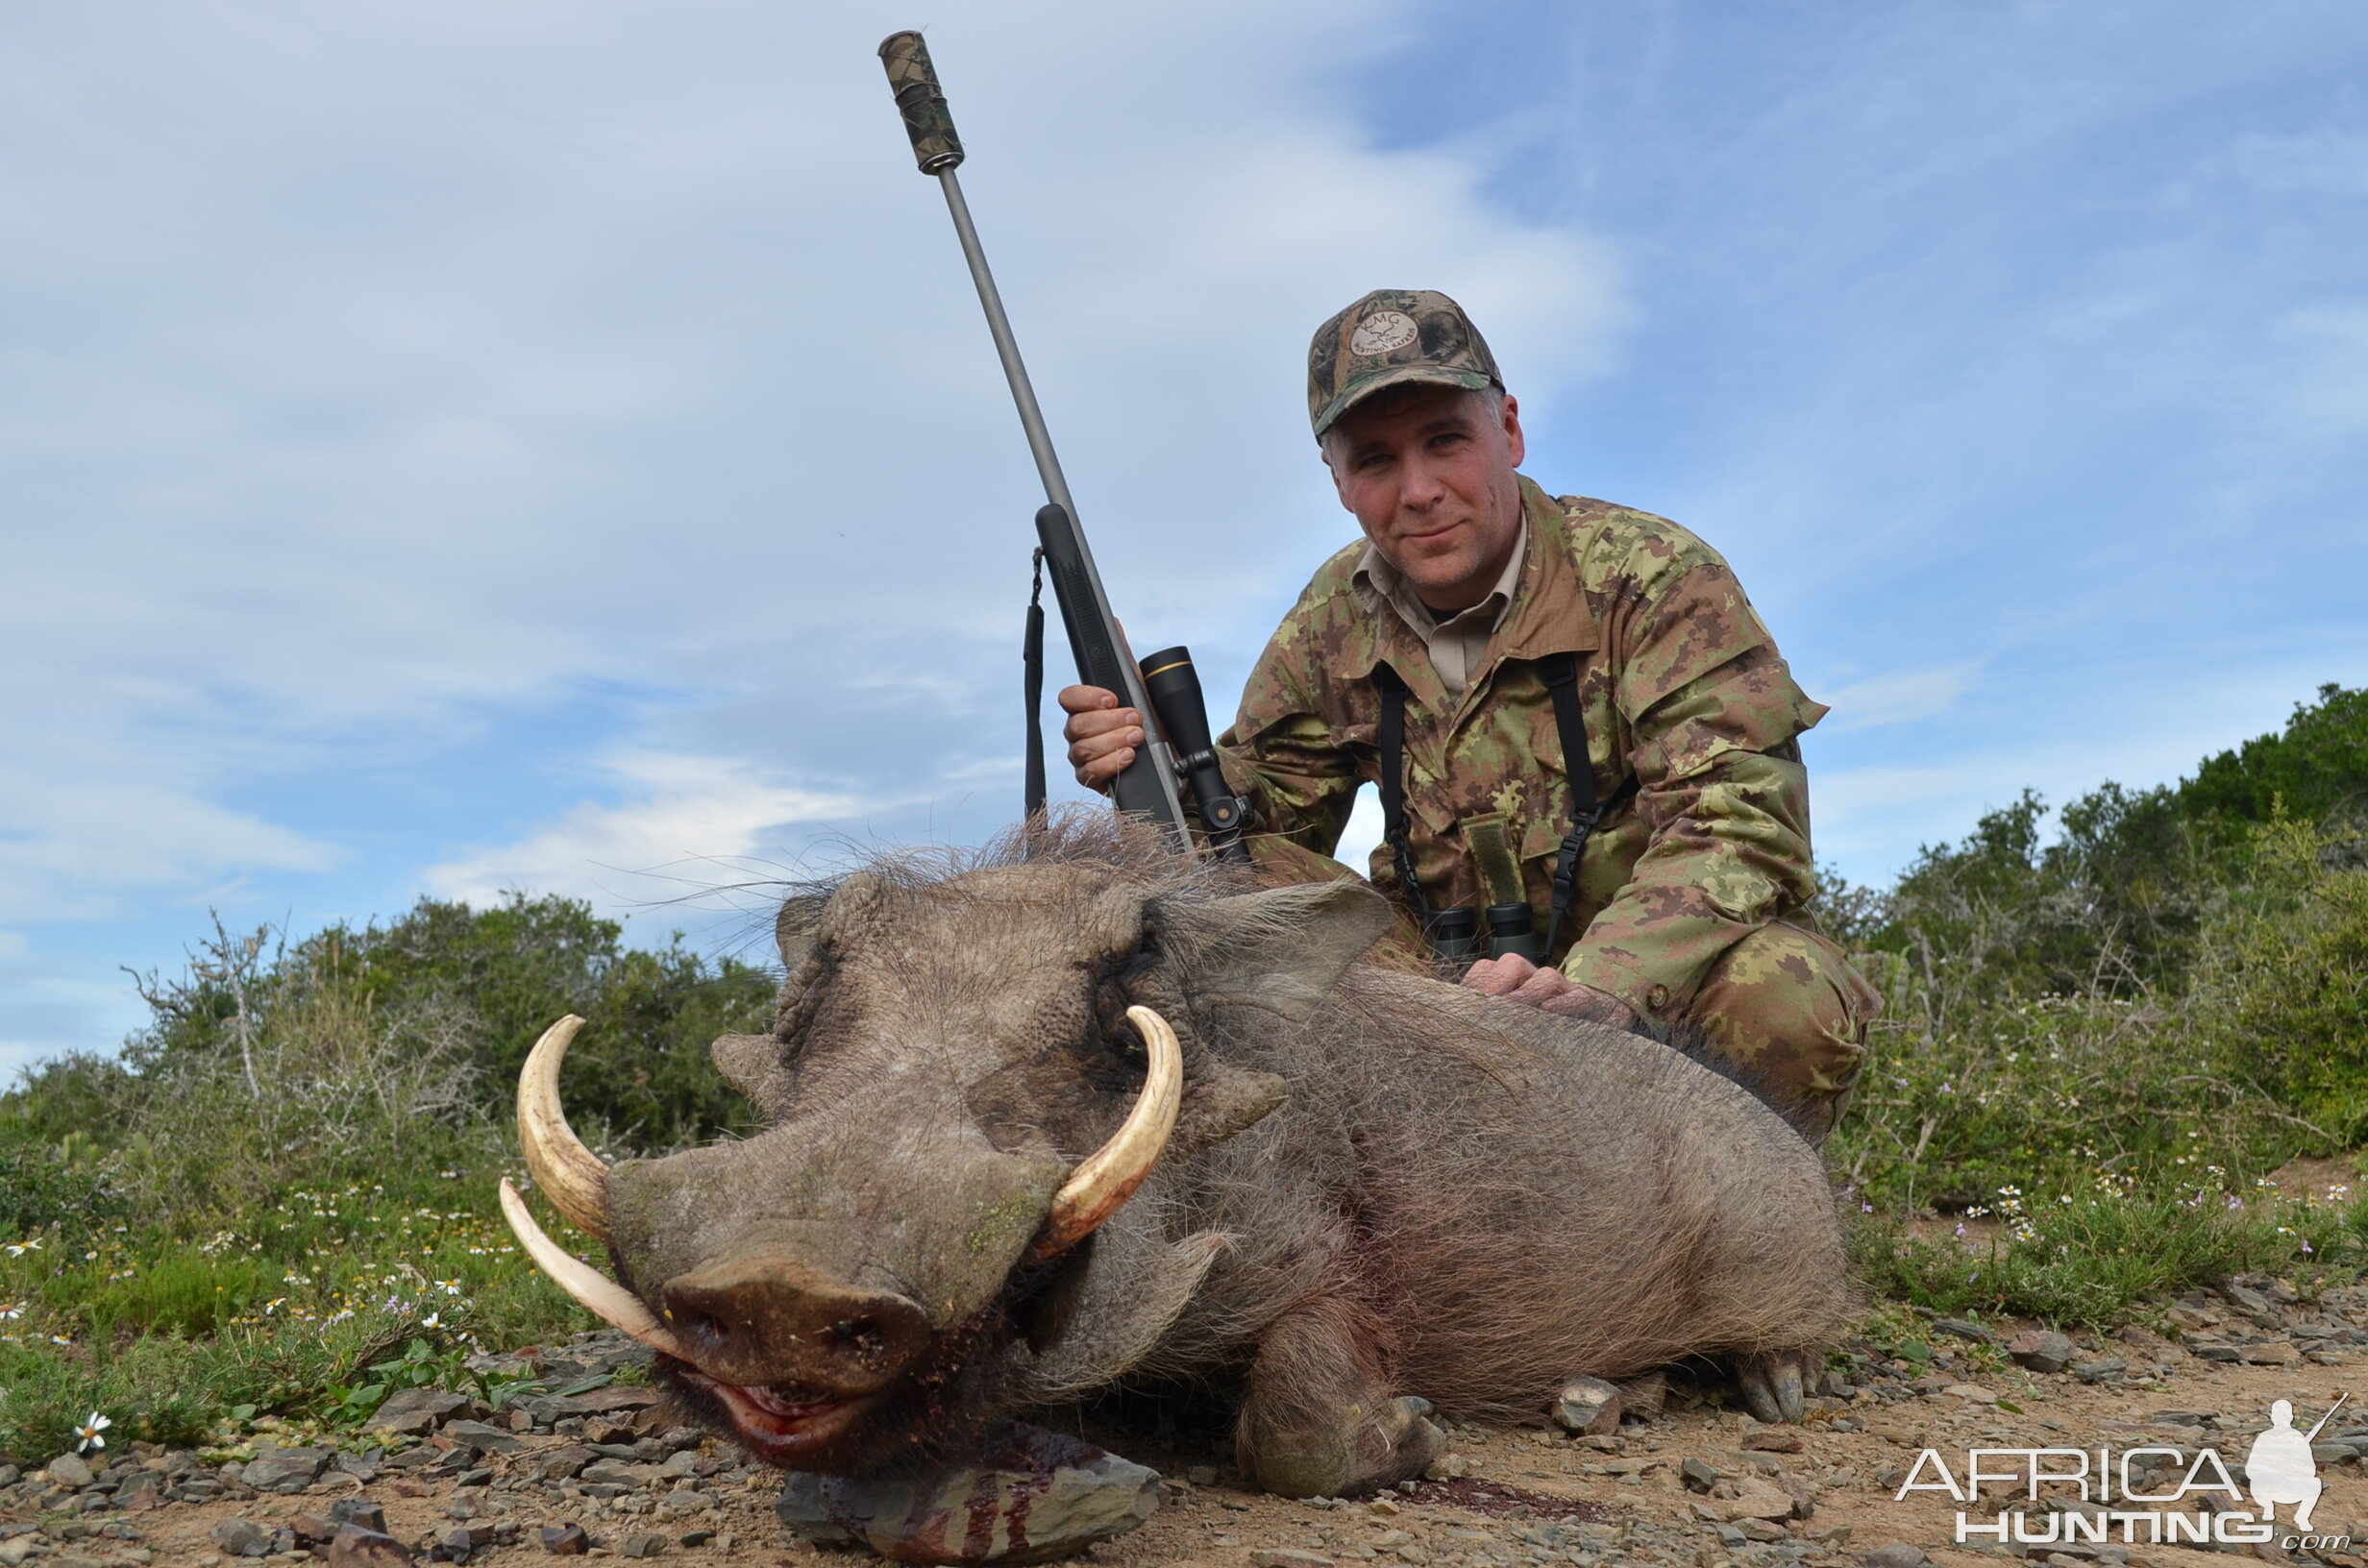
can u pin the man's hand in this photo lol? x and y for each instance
(1519, 980)
(1102, 735)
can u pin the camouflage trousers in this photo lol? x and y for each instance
(1787, 1006)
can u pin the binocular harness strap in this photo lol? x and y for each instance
(1561, 674)
(1394, 789)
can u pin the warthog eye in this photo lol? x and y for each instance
(1114, 982)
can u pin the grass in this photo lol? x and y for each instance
(178, 1338)
(2092, 1258)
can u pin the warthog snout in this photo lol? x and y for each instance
(774, 1321)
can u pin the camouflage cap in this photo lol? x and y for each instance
(1391, 336)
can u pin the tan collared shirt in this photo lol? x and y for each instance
(1456, 642)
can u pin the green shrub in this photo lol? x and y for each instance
(2288, 985)
(59, 1192)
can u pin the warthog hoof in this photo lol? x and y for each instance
(1774, 1383)
(1339, 1452)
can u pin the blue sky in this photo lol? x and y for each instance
(451, 448)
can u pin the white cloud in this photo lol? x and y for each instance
(685, 815)
(644, 363)
(78, 846)
(1898, 698)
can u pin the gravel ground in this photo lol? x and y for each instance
(1702, 1486)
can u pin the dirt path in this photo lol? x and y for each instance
(1525, 1497)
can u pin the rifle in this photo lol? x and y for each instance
(1164, 687)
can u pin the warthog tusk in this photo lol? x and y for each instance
(604, 1297)
(574, 1178)
(1105, 1179)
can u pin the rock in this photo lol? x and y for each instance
(678, 1503)
(682, 1462)
(617, 1472)
(562, 1463)
(2105, 1369)
(565, 1540)
(1201, 1474)
(311, 1529)
(240, 1537)
(2270, 1353)
(1644, 1397)
(483, 1438)
(1972, 1391)
(1283, 1558)
(1030, 1495)
(551, 1410)
(414, 1412)
(1588, 1405)
(2251, 1303)
(2042, 1350)
(696, 1537)
(1755, 1499)
(643, 1546)
(455, 1545)
(802, 1511)
(1697, 1475)
(70, 1470)
(610, 1401)
(606, 1350)
(2212, 1350)
(16, 1548)
(1833, 1537)
(146, 1490)
(358, 1510)
(1897, 1555)
(1776, 1440)
(1759, 1529)
(1958, 1329)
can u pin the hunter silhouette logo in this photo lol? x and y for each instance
(2155, 1495)
(2280, 1467)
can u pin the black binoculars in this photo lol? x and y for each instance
(1455, 935)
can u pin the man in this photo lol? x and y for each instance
(1471, 589)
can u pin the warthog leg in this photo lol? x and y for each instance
(1320, 1419)
(1773, 1385)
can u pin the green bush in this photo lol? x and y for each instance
(2316, 770)
(2288, 987)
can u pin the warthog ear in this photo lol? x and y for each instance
(753, 1063)
(795, 926)
(1281, 950)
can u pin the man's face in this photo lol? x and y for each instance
(1430, 475)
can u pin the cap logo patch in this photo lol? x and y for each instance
(1382, 333)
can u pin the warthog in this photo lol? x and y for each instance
(1048, 1120)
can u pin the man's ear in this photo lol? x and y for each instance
(1281, 950)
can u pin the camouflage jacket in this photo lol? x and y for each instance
(1682, 687)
